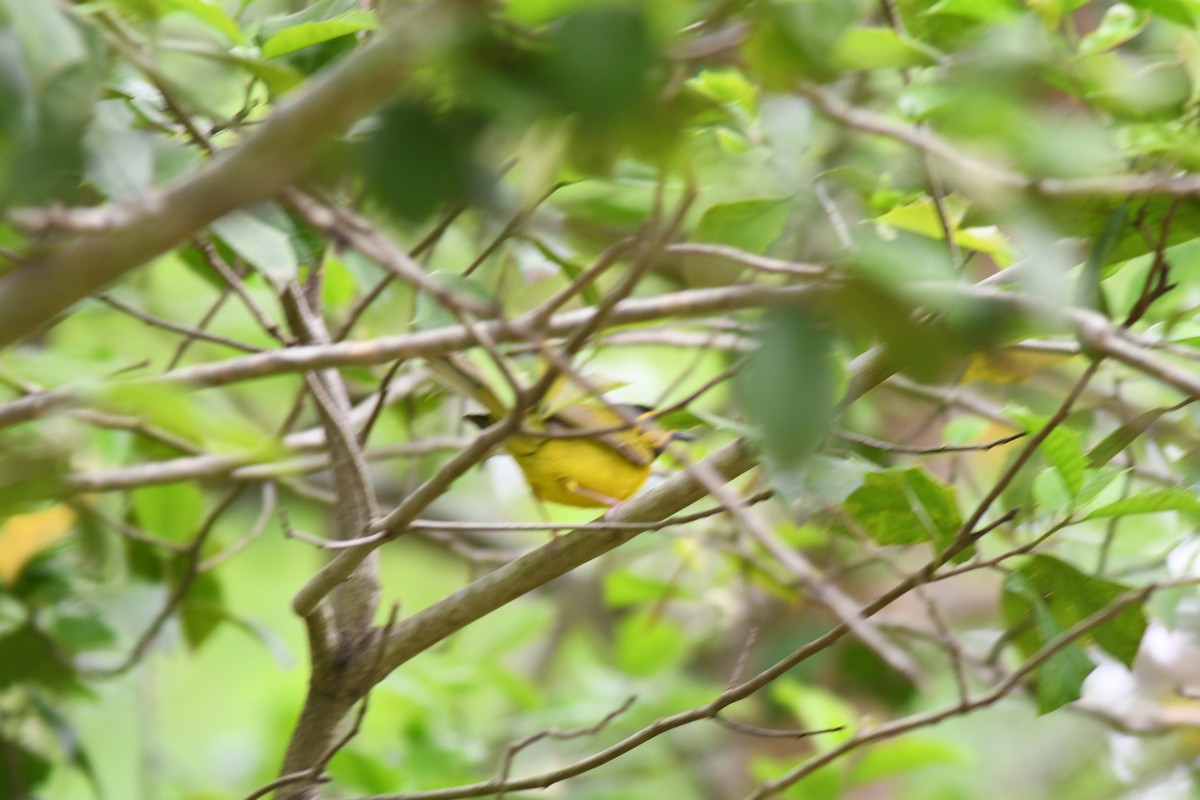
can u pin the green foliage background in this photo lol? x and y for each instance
(889, 156)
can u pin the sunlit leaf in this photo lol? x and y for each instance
(904, 507)
(307, 34)
(751, 225)
(879, 48)
(211, 14)
(1153, 502)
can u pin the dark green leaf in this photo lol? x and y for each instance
(597, 61)
(420, 158)
(21, 770)
(1044, 598)
(203, 609)
(1060, 677)
(78, 633)
(28, 658)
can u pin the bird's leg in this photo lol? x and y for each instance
(545, 515)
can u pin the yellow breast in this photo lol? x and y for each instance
(577, 472)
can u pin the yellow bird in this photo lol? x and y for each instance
(592, 471)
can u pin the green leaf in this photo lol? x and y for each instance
(420, 158)
(172, 510)
(982, 10)
(598, 61)
(29, 659)
(1045, 597)
(1060, 677)
(1062, 449)
(68, 739)
(623, 588)
(1122, 437)
(905, 507)
(203, 609)
(879, 48)
(20, 767)
(648, 644)
(1177, 11)
(78, 633)
(817, 709)
(307, 34)
(751, 225)
(265, 246)
(921, 217)
(905, 755)
(1120, 24)
(210, 14)
(278, 76)
(1149, 503)
(788, 385)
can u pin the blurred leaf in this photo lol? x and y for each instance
(172, 510)
(1119, 24)
(787, 388)
(211, 14)
(1153, 502)
(983, 10)
(825, 783)
(279, 77)
(623, 588)
(431, 313)
(879, 48)
(750, 225)
(647, 643)
(78, 633)
(21, 770)
(791, 40)
(49, 82)
(265, 247)
(1113, 444)
(29, 659)
(1177, 11)
(597, 60)
(905, 755)
(67, 737)
(921, 217)
(23, 536)
(420, 158)
(307, 34)
(817, 709)
(203, 609)
(904, 507)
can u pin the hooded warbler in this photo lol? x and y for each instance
(589, 471)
